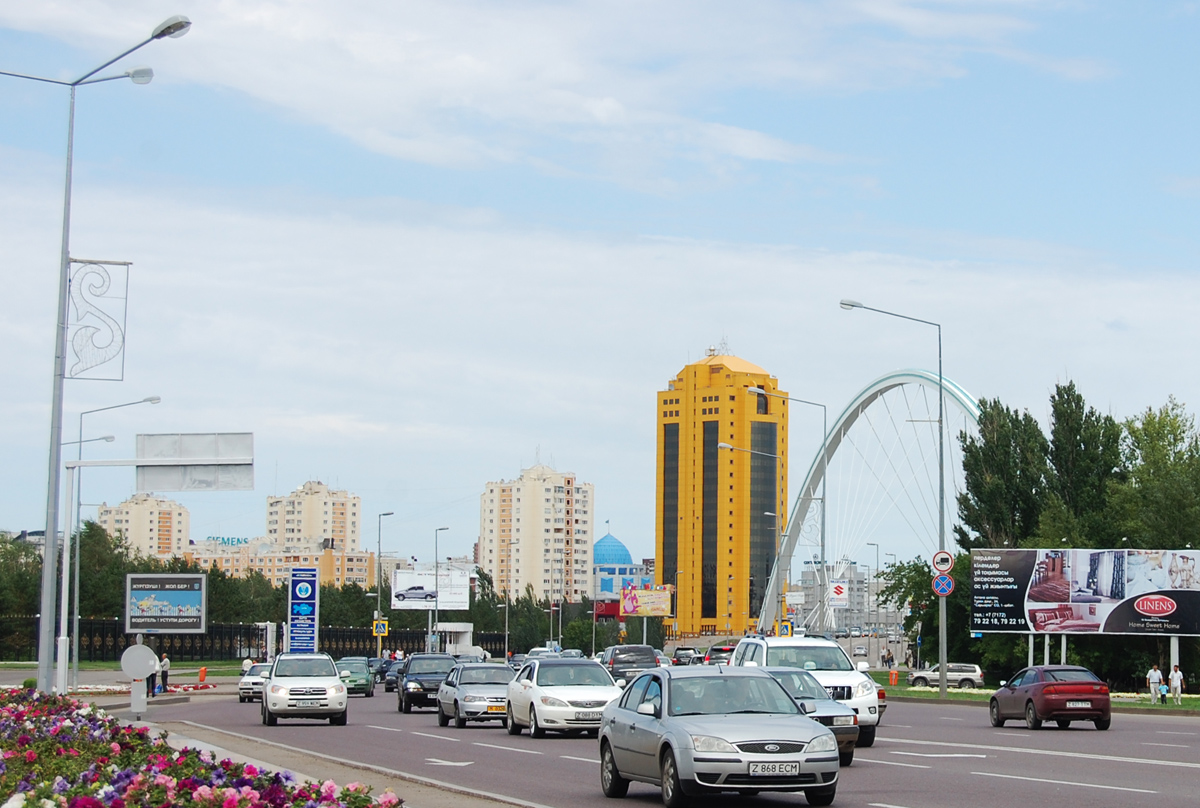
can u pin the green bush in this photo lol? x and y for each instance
(29, 684)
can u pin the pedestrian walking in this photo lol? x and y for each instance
(1154, 678)
(151, 680)
(1175, 678)
(166, 670)
(247, 663)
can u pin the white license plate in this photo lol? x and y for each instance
(1078, 704)
(785, 768)
(308, 704)
(588, 716)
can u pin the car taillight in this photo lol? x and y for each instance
(1103, 690)
(1049, 690)
(882, 694)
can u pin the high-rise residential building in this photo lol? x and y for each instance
(716, 529)
(315, 512)
(275, 561)
(151, 526)
(536, 531)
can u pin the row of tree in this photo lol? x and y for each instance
(1091, 482)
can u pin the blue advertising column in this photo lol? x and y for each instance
(304, 608)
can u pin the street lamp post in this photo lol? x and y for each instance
(78, 522)
(870, 580)
(174, 27)
(889, 611)
(504, 606)
(854, 304)
(437, 587)
(592, 612)
(379, 577)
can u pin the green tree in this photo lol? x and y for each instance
(20, 576)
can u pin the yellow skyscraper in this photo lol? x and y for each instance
(716, 528)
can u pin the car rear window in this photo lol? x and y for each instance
(634, 655)
(809, 658)
(491, 675)
(1071, 676)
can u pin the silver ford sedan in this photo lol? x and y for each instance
(700, 730)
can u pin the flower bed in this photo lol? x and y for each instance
(56, 751)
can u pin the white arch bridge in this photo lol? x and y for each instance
(875, 475)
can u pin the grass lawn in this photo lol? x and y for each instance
(222, 667)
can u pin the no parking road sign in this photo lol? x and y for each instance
(943, 585)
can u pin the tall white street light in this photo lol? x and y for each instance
(79, 522)
(379, 577)
(437, 585)
(854, 304)
(875, 623)
(173, 27)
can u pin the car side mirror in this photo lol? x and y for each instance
(344, 674)
(807, 706)
(620, 683)
(750, 663)
(863, 667)
(646, 708)
(1003, 683)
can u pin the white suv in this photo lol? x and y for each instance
(828, 663)
(304, 686)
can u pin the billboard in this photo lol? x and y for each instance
(1085, 592)
(839, 594)
(416, 589)
(645, 602)
(304, 610)
(161, 603)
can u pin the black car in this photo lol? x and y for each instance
(419, 680)
(627, 661)
(390, 672)
(377, 665)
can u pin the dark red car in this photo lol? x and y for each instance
(1059, 693)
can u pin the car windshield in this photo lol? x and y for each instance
(809, 658)
(1071, 676)
(430, 665)
(491, 675)
(258, 670)
(567, 675)
(353, 667)
(801, 684)
(724, 695)
(314, 666)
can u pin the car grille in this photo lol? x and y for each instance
(305, 692)
(588, 705)
(839, 692)
(802, 779)
(771, 747)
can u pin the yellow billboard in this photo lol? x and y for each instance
(645, 602)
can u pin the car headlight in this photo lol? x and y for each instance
(412, 686)
(278, 690)
(822, 743)
(845, 720)
(337, 690)
(708, 743)
(473, 699)
(550, 701)
(864, 689)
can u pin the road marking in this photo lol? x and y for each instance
(584, 760)
(944, 718)
(899, 726)
(1046, 752)
(861, 759)
(506, 748)
(1013, 734)
(385, 729)
(947, 755)
(1168, 732)
(1065, 782)
(439, 737)
(440, 762)
(884, 805)
(1172, 745)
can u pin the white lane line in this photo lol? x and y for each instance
(884, 805)
(1065, 782)
(861, 759)
(944, 718)
(440, 762)
(1168, 732)
(506, 748)
(1179, 764)
(439, 737)
(385, 729)
(899, 726)
(1013, 734)
(1172, 745)
(947, 755)
(584, 760)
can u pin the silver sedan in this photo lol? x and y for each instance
(695, 731)
(473, 692)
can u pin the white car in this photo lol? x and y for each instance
(305, 686)
(829, 665)
(562, 695)
(251, 684)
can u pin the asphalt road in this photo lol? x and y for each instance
(926, 756)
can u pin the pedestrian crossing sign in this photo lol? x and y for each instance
(381, 628)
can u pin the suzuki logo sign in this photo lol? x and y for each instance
(1154, 605)
(839, 590)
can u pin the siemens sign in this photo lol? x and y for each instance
(228, 541)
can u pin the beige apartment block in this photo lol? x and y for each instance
(151, 526)
(315, 512)
(275, 562)
(536, 531)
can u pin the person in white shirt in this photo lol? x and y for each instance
(166, 670)
(1175, 678)
(150, 680)
(247, 663)
(1154, 678)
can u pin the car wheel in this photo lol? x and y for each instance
(371, 692)
(966, 684)
(866, 737)
(1103, 723)
(672, 791)
(611, 782)
(443, 719)
(405, 705)
(398, 596)
(459, 721)
(1031, 718)
(845, 758)
(1063, 723)
(920, 682)
(821, 796)
(510, 722)
(338, 720)
(994, 714)
(269, 718)
(241, 699)
(535, 729)
(592, 733)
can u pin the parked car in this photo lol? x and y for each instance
(361, 681)
(304, 686)
(251, 684)
(682, 654)
(697, 731)
(1059, 693)
(390, 673)
(559, 695)
(627, 661)
(830, 666)
(474, 692)
(418, 682)
(841, 720)
(719, 654)
(958, 674)
(415, 593)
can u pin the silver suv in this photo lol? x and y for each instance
(304, 686)
(958, 674)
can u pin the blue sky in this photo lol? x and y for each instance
(409, 244)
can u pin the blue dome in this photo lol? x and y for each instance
(609, 550)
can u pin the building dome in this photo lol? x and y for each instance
(609, 550)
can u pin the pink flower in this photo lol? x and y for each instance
(328, 789)
(116, 747)
(352, 787)
(387, 799)
(30, 756)
(164, 780)
(202, 794)
(250, 770)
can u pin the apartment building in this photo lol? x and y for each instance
(150, 525)
(314, 511)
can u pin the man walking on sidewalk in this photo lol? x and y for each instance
(166, 670)
(1175, 678)
(1154, 679)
